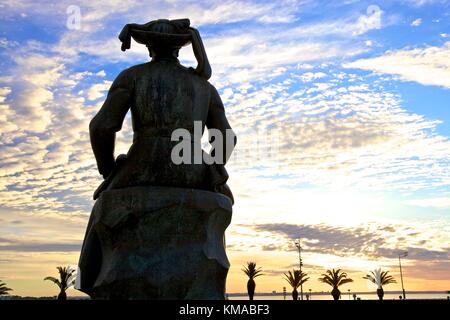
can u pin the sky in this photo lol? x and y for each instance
(340, 107)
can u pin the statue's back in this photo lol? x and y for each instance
(168, 96)
(163, 96)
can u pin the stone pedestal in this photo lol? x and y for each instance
(156, 243)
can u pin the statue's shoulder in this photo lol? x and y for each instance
(148, 68)
(135, 70)
(127, 76)
(196, 77)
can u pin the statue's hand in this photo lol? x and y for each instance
(106, 175)
(111, 170)
(109, 175)
(106, 170)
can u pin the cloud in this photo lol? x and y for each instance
(371, 241)
(202, 12)
(47, 107)
(324, 239)
(356, 249)
(232, 55)
(212, 12)
(41, 247)
(370, 21)
(97, 90)
(329, 120)
(439, 202)
(44, 133)
(416, 22)
(337, 130)
(43, 232)
(32, 90)
(420, 3)
(429, 270)
(428, 66)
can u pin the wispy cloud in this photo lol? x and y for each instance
(416, 22)
(429, 65)
(41, 247)
(47, 103)
(439, 202)
(341, 130)
(371, 240)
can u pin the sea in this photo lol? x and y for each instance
(444, 295)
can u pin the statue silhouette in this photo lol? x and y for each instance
(157, 228)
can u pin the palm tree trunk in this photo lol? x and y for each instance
(380, 293)
(251, 285)
(336, 293)
(62, 295)
(295, 294)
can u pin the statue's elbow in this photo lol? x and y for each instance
(99, 127)
(94, 127)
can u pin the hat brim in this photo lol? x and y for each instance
(150, 38)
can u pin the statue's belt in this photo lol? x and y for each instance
(160, 133)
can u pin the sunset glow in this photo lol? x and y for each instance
(355, 98)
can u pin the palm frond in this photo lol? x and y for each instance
(380, 278)
(387, 279)
(335, 278)
(371, 277)
(304, 280)
(344, 281)
(326, 278)
(251, 271)
(4, 289)
(66, 277)
(295, 278)
(54, 280)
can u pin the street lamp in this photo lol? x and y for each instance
(299, 247)
(348, 294)
(310, 294)
(402, 255)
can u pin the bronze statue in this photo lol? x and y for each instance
(145, 198)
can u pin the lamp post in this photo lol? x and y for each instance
(310, 294)
(299, 247)
(402, 255)
(348, 294)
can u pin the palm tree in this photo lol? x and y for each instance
(380, 278)
(65, 281)
(252, 272)
(4, 289)
(335, 278)
(295, 280)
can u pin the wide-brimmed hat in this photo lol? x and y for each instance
(157, 33)
(165, 33)
(156, 39)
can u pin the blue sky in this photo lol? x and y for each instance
(353, 93)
